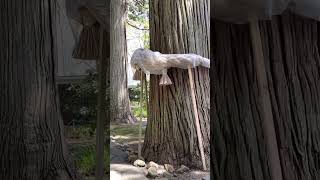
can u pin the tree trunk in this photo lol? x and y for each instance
(178, 26)
(213, 157)
(31, 141)
(120, 109)
(290, 47)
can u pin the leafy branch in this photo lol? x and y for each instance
(136, 27)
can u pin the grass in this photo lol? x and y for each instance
(85, 158)
(126, 133)
(82, 144)
(137, 112)
(82, 148)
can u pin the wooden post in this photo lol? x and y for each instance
(195, 109)
(264, 98)
(101, 116)
(141, 105)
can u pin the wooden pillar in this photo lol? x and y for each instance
(265, 102)
(141, 106)
(101, 116)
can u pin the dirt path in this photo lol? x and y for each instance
(120, 169)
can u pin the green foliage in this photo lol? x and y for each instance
(137, 111)
(79, 132)
(78, 101)
(146, 40)
(138, 15)
(86, 159)
(138, 11)
(134, 93)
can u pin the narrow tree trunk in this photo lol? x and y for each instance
(290, 47)
(31, 141)
(178, 26)
(120, 109)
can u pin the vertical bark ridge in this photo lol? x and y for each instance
(120, 109)
(237, 135)
(175, 27)
(298, 98)
(31, 141)
(290, 46)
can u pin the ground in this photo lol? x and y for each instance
(81, 145)
(124, 137)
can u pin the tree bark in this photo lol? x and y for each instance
(120, 109)
(291, 54)
(31, 142)
(213, 157)
(178, 26)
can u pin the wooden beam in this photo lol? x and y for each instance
(265, 102)
(101, 116)
(140, 122)
(197, 121)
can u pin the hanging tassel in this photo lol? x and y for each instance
(165, 80)
(88, 46)
(136, 75)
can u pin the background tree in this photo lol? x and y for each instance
(138, 18)
(291, 54)
(120, 104)
(31, 141)
(178, 26)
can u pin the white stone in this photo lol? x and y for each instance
(139, 163)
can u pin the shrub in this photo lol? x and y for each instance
(78, 101)
(78, 132)
(137, 112)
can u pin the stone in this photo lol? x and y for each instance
(152, 172)
(139, 163)
(206, 178)
(125, 145)
(167, 175)
(161, 170)
(182, 169)
(169, 168)
(152, 164)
